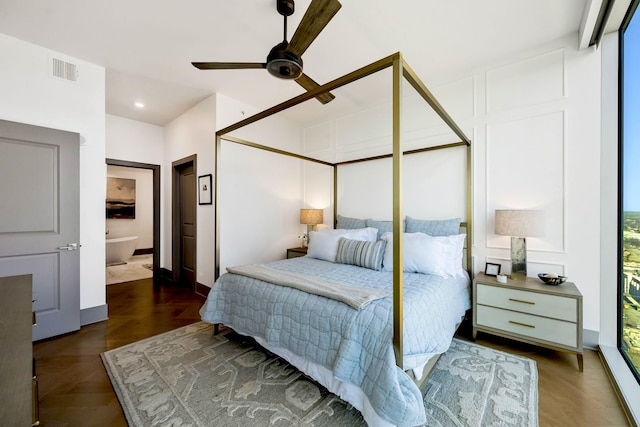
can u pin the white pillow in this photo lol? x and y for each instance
(438, 255)
(455, 243)
(458, 240)
(323, 244)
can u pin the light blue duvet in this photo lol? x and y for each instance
(355, 344)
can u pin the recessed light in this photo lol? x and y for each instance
(139, 104)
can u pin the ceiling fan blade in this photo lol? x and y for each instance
(227, 65)
(317, 16)
(309, 84)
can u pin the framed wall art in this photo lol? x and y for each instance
(204, 190)
(121, 198)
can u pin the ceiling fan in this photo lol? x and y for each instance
(285, 59)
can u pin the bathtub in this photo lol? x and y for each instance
(120, 249)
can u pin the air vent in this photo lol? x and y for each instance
(63, 70)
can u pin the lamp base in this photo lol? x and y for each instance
(518, 258)
(310, 228)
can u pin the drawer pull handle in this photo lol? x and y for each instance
(521, 324)
(522, 301)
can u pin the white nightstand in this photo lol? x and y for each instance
(531, 312)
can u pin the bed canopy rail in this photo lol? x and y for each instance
(400, 70)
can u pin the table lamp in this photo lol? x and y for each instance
(519, 224)
(311, 217)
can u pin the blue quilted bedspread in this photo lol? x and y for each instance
(355, 344)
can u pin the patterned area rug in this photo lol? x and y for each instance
(187, 377)
(134, 269)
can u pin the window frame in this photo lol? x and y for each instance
(630, 15)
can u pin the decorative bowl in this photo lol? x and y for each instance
(552, 280)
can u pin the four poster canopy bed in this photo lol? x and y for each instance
(369, 309)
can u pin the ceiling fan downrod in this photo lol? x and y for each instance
(282, 63)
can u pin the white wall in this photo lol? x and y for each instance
(365, 189)
(142, 224)
(318, 191)
(260, 192)
(534, 122)
(29, 95)
(191, 133)
(259, 204)
(543, 108)
(135, 141)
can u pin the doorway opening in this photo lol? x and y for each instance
(132, 234)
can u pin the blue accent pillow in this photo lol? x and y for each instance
(384, 226)
(443, 227)
(361, 253)
(344, 222)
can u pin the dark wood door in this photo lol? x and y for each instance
(185, 189)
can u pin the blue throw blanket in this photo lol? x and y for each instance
(355, 344)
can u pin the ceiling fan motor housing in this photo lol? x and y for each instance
(284, 64)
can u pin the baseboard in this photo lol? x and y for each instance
(590, 339)
(94, 314)
(202, 290)
(143, 251)
(625, 385)
(166, 274)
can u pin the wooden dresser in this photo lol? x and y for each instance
(18, 385)
(530, 311)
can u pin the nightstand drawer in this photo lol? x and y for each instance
(553, 306)
(542, 328)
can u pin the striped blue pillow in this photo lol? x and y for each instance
(361, 253)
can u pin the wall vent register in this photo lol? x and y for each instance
(63, 70)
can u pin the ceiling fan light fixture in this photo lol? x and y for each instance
(284, 69)
(284, 64)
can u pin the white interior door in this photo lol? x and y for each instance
(39, 220)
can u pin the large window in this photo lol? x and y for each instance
(629, 282)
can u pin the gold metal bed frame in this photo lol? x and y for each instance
(400, 70)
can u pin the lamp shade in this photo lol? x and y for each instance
(311, 216)
(519, 223)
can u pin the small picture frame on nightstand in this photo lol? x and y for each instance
(491, 269)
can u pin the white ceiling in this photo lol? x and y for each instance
(147, 46)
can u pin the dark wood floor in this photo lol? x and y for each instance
(75, 390)
(73, 385)
(566, 397)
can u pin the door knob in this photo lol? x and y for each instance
(70, 247)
